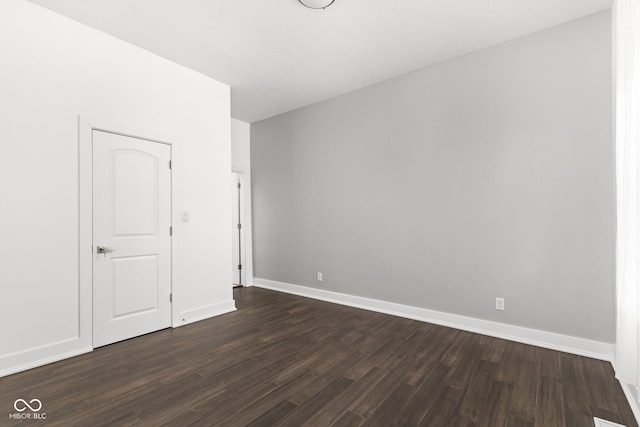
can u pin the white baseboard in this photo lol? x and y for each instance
(566, 343)
(54, 352)
(631, 393)
(43, 355)
(202, 313)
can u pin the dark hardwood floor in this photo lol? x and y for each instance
(287, 360)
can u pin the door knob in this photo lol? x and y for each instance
(105, 249)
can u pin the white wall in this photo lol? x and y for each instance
(241, 162)
(487, 176)
(53, 71)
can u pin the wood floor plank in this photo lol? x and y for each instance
(254, 408)
(576, 418)
(334, 410)
(425, 397)
(425, 362)
(475, 397)
(549, 363)
(312, 406)
(349, 420)
(494, 350)
(183, 419)
(515, 421)
(549, 407)
(376, 395)
(496, 410)
(457, 350)
(576, 397)
(525, 389)
(466, 365)
(444, 408)
(389, 409)
(274, 415)
(323, 381)
(286, 360)
(508, 366)
(603, 397)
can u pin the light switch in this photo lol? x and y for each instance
(185, 216)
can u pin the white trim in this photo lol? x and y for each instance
(239, 179)
(599, 422)
(86, 126)
(34, 357)
(202, 313)
(631, 393)
(551, 340)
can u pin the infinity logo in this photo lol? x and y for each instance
(26, 405)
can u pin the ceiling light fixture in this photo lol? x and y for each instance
(316, 4)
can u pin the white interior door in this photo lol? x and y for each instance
(238, 246)
(131, 237)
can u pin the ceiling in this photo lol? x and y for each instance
(278, 55)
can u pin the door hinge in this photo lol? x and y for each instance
(170, 297)
(170, 164)
(239, 226)
(170, 231)
(239, 266)
(239, 185)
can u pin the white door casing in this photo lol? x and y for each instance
(131, 220)
(238, 246)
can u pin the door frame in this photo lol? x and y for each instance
(239, 203)
(86, 126)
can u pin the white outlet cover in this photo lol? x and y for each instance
(319, 277)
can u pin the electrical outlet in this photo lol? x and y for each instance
(319, 277)
(500, 304)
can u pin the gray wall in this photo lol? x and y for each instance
(486, 176)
